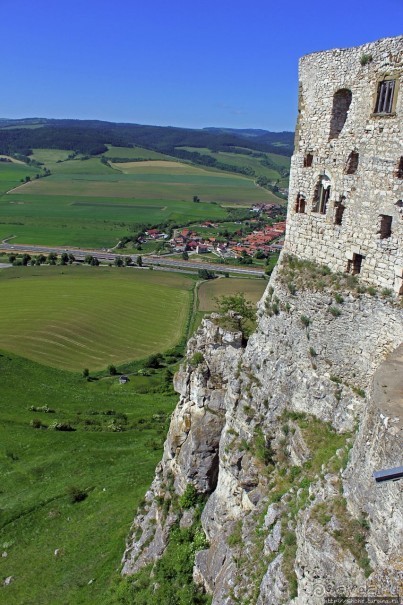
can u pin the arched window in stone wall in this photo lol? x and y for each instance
(321, 195)
(300, 204)
(352, 163)
(341, 105)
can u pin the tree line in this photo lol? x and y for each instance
(91, 136)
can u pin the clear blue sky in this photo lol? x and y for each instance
(182, 63)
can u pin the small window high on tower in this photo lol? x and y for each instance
(385, 95)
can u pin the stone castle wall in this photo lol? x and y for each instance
(338, 117)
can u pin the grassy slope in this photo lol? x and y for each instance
(37, 465)
(135, 153)
(11, 175)
(75, 317)
(247, 161)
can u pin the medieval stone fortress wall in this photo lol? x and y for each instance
(346, 188)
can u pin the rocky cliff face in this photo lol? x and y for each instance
(282, 436)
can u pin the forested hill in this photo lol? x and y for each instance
(92, 136)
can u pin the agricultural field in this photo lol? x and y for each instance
(76, 317)
(248, 161)
(212, 289)
(91, 178)
(137, 153)
(160, 167)
(91, 204)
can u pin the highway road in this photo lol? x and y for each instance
(106, 256)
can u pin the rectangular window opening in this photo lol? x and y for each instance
(339, 211)
(352, 163)
(385, 226)
(384, 100)
(354, 265)
(308, 159)
(300, 204)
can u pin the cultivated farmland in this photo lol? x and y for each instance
(88, 203)
(76, 317)
(209, 290)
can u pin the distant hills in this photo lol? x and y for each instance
(92, 137)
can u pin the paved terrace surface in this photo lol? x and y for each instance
(388, 388)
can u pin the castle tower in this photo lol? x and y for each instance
(346, 186)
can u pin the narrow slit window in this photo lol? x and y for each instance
(321, 196)
(384, 99)
(399, 169)
(385, 226)
(339, 211)
(352, 163)
(300, 204)
(308, 159)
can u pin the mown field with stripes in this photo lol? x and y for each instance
(77, 317)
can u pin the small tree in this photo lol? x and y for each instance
(139, 261)
(242, 307)
(52, 257)
(118, 261)
(86, 373)
(128, 260)
(25, 259)
(205, 274)
(64, 258)
(154, 361)
(88, 259)
(185, 255)
(238, 303)
(112, 370)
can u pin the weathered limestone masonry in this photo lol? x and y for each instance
(346, 189)
(281, 435)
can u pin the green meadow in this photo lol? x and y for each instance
(135, 153)
(11, 175)
(76, 317)
(248, 161)
(88, 203)
(62, 434)
(59, 551)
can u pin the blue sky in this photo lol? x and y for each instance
(194, 64)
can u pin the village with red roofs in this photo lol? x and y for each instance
(257, 236)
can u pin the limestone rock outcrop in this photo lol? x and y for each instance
(247, 432)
